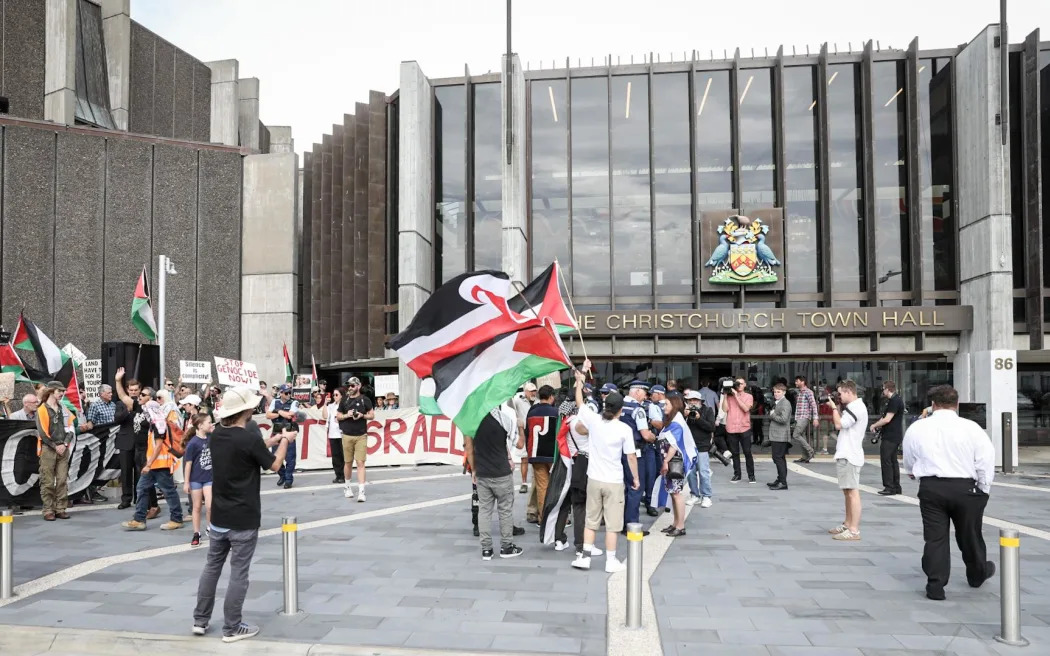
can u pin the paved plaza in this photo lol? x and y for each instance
(757, 574)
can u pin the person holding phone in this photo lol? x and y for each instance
(353, 414)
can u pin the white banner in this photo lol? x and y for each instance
(236, 372)
(195, 371)
(386, 384)
(92, 378)
(75, 354)
(395, 437)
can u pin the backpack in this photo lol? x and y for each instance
(173, 439)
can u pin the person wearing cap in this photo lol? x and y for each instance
(521, 403)
(52, 447)
(353, 414)
(639, 415)
(589, 397)
(189, 407)
(237, 456)
(282, 412)
(701, 421)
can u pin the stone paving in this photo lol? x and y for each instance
(757, 574)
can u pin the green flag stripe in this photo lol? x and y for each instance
(499, 388)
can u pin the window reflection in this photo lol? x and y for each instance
(488, 193)
(801, 209)
(845, 172)
(757, 167)
(590, 186)
(935, 170)
(550, 179)
(891, 177)
(450, 190)
(714, 149)
(672, 224)
(632, 220)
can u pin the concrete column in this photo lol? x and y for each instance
(985, 366)
(60, 68)
(116, 32)
(269, 273)
(415, 207)
(281, 139)
(225, 109)
(248, 112)
(515, 206)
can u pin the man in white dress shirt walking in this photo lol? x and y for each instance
(954, 460)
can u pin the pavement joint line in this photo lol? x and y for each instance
(61, 577)
(1018, 486)
(903, 498)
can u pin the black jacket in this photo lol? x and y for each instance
(702, 427)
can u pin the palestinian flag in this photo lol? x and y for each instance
(72, 397)
(40, 357)
(427, 403)
(468, 310)
(313, 363)
(142, 309)
(289, 373)
(542, 296)
(558, 487)
(469, 384)
(10, 362)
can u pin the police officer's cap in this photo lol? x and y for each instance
(657, 389)
(608, 388)
(639, 384)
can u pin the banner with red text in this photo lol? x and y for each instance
(395, 437)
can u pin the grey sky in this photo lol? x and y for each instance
(316, 58)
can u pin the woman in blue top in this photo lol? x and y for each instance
(675, 438)
(197, 472)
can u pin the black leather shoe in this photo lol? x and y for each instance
(735, 479)
(887, 493)
(518, 530)
(652, 512)
(773, 484)
(989, 572)
(802, 461)
(476, 532)
(935, 595)
(779, 486)
(123, 506)
(338, 480)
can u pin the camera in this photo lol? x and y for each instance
(726, 384)
(715, 453)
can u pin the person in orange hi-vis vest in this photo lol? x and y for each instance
(160, 462)
(53, 447)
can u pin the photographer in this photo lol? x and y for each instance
(737, 404)
(701, 421)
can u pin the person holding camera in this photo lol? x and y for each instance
(737, 404)
(353, 415)
(701, 421)
(892, 434)
(780, 435)
(283, 412)
(850, 417)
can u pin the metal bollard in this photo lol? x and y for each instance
(1010, 588)
(634, 575)
(291, 565)
(7, 555)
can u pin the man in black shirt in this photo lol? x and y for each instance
(131, 441)
(541, 433)
(490, 467)
(237, 454)
(353, 414)
(892, 427)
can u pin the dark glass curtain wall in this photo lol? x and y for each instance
(450, 185)
(488, 178)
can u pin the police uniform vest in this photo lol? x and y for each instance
(630, 407)
(281, 422)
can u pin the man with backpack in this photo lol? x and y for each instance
(163, 449)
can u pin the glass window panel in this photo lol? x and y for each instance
(672, 224)
(632, 218)
(936, 162)
(450, 189)
(1016, 169)
(891, 177)
(845, 172)
(550, 177)
(802, 207)
(590, 186)
(757, 166)
(714, 148)
(488, 177)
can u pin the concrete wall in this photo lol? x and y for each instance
(169, 92)
(84, 210)
(22, 30)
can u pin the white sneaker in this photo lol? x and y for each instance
(560, 546)
(361, 496)
(727, 454)
(706, 502)
(692, 501)
(613, 565)
(348, 491)
(595, 551)
(582, 562)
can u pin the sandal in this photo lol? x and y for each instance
(675, 533)
(668, 530)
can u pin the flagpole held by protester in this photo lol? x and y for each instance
(568, 296)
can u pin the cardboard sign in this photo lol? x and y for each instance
(7, 386)
(75, 354)
(236, 372)
(385, 384)
(92, 378)
(195, 371)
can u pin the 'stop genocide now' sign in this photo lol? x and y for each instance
(236, 372)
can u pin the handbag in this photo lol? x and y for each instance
(676, 468)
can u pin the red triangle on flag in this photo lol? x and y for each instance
(541, 341)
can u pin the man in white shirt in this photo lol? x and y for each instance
(522, 402)
(850, 421)
(954, 460)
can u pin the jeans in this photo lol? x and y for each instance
(129, 479)
(742, 442)
(648, 470)
(287, 471)
(700, 476)
(163, 479)
(242, 546)
(497, 492)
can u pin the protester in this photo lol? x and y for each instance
(282, 412)
(156, 472)
(521, 403)
(780, 435)
(52, 447)
(102, 411)
(675, 443)
(701, 421)
(486, 453)
(237, 455)
(354, 413)
(737, 404)
(576, 499)
(541, 422)
(189, 407)
(610, 440)
(380, 403)
(28, 411)
(806, 413)
(892, 433)
(637, 414)
(131, 440)
(850, 420)
(335, 437)
(197, 471)
(392, 402)
(955, 463)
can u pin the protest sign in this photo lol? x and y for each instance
(195, 371)
(92, 378)
(386, 384)
(74, 354)
(7, 386)
(236, 372)
(301, 394)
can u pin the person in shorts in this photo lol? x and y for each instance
(353, 415)
(197, 470)
(851, 420)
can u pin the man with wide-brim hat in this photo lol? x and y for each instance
(53, 446)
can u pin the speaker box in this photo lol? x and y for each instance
(140, 361)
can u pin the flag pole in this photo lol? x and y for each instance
(575, 317)
(161, 288)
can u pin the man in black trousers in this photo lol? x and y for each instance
(892, 427)
(955, 463)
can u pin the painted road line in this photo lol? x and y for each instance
(1018, 486)
(79, 570)
(903, 498)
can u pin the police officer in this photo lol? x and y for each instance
(282, 412)
(636, 415)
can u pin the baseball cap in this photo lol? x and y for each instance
(353, 380)
(587, 387)
(657, 389)
(614, 401)
(639, 384)
(192, 399)
(529, 387)
(608, 388)
(693, 395)
(55, 385)
(285, 389)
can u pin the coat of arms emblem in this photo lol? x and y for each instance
(742, 256)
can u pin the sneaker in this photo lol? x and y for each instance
(735, 479)
(582, 562)
(477, 532)
(361, 496)
(288, 485)
(751, 479)
(838, 529)
(510, 551)
(243, 631)
(523, 489)
(706, 502)
(170, 526)
(847, 535)
(348, 492)
(200, 629)
(560, 546)
(595, 551)
(518, 530)
(132, 525)
(613, 565)
(196, 542)
(692, 501)
(339, 480)
(727, 454)
(823, 452)
(486, 554)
